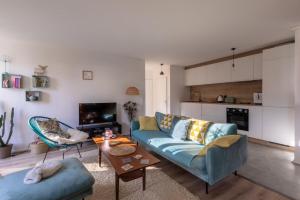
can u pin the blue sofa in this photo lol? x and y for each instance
(218, 162)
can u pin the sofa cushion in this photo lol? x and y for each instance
(166, 122)
(197, 130)
(146, 136)
(180, 129)
(148, 123)
(180, 151)
(69, 182)
(217, 130)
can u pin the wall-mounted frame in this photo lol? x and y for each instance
(87, 75)
(33, 95)
(11, 81)
(40, 81)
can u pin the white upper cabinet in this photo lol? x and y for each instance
(243, 70)
(218, 73)
(246, 69)
(196, 76)
(257, 66)
(278, 76)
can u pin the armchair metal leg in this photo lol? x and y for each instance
(235, 173)
(63, 155)
(78, 151)
(206, 188)
(45, 155)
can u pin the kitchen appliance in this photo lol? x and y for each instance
(238, 116)
(230, 100)
(257, 98)
(220, 99)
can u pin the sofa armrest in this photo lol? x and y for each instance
(135, 125)
(221, 162)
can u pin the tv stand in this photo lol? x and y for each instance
(98, 129)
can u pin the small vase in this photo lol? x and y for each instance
(5, 151)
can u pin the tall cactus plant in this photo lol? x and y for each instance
(2, 124)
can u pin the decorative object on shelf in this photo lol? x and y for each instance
(33, 95)
(161, 71)
(87, 75)
(5, 147)
(40, 81)
(11, 81)
(38, 146)
(233, 56)
(131, 109)
(132, 91)
(40, 70)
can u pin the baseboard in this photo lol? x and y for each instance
(271, 144)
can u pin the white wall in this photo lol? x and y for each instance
(297, 95)
(112, 75)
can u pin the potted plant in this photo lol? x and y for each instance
(131, 109)
(38, 146)
(5, 146)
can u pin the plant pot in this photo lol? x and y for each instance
(38, 148)
(5, 152)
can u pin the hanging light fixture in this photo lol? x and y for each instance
(5, 59)
(233, 56)
(161, 71)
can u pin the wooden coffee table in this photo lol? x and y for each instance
(138, 170)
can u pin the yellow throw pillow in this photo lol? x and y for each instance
(224, 142)
(197, 130)
(148, 123)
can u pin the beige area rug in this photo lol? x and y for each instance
(158, 185)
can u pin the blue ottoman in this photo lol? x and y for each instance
(71, 182)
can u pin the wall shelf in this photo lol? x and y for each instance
(11, 81)
(40, 81)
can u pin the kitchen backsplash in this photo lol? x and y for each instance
(242, 91)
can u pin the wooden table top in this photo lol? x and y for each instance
(116, 161)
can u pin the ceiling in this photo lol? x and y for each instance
(180, 32)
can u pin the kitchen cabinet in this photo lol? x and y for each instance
(190, 109)
(243, 69)
(279, 125)
(214, 112)
(257, 66)
(246, 69)
(278, 76)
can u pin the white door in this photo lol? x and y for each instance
(160, 95)
(149, 97)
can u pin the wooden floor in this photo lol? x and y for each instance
(232, 187)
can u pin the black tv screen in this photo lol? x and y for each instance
(95, 113)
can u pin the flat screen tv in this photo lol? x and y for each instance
(97, 113)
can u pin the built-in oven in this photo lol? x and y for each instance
(238, 116)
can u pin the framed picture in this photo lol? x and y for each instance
(87, 75)
(33, 95)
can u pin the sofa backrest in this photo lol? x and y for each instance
(216, 130)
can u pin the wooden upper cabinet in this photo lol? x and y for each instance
(243, 70)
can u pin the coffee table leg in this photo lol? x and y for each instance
(144, 179)
(117, 185)
(100, 153)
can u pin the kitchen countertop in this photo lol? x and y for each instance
(241, 104)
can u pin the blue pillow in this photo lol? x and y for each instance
(180, 129)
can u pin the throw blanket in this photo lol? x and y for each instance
(41, 171)
(75, 137)
(224, 142)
